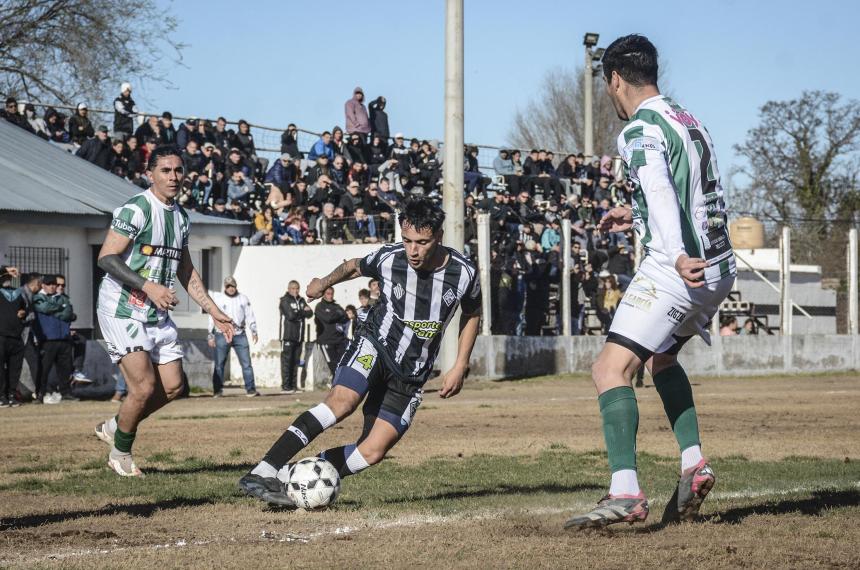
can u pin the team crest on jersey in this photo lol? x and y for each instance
(161, 251)
(449, 297)
(398, 291)
(424, 329)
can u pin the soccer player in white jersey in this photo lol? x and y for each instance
(391, 356)
(144, 253)
(689, 268)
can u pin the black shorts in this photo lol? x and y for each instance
(388, 397)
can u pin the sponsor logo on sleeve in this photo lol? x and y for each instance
(124, 226)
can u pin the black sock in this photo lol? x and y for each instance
(303, 430)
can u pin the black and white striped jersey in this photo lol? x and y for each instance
(414, 307)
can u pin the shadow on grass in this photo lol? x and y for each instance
(202, 468)
(812, 506)
(497, 490)
(144, 510)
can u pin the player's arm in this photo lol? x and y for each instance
(347, 270)
(662, 199)
(111, 263)
(190, 279)
(452, 383)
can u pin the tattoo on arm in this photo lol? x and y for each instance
(344, 272)
(116, 268)
(190, 279)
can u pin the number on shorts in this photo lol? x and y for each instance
(366, 361)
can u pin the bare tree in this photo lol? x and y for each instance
(69, 50)
(802, 159)
(554, 119)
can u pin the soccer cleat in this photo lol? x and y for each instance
(103, 434)
(693, 486)
(123, 465)
(268, 489)
(611, 510)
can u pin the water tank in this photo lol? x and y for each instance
(746, 233)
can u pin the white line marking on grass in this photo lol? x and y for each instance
(415, 520)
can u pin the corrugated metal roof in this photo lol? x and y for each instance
(37, 176)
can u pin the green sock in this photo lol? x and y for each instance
(123, 441)
(674, 389)
(620, 422)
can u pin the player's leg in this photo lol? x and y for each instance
(350, 384)
(388, 412)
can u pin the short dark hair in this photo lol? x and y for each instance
(325, 133)
(30, 277)
(632, 57)
(161, 151)
(364, 293)
(421, 213)
(49, 280)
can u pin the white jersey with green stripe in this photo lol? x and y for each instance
(158, 234)
(678, 202)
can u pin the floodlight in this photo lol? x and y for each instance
(590, 39)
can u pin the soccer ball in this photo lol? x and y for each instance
(313, 483)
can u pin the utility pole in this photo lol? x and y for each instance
(589, 41)
(452, 185)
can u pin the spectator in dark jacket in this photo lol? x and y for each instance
(54, 315)
(379, 119)
(290, 141)
(11, 114)
(332, 324)
(13, 312)
(294, 312)
(125, 110)
(168, 131)
(357, 120)
(98, 149)
(80, 127)
(187, 132)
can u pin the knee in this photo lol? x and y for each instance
(373, 455)
(143, 390)
(661, 362)
(341, 404)
(172, 392)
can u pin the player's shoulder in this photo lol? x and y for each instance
(138, 202)
(464, 261)
(388, 250)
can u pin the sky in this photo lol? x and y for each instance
(275, 62)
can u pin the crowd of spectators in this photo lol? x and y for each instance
(348, 185)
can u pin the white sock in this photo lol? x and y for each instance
(690, 457)
(114, 452)
(323, 415)
(263, 469)
(110, 425)
(624, 482)
(356, 461)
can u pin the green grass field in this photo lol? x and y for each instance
(485, 480)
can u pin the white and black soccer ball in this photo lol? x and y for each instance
(313, 483)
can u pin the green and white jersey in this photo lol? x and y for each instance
(158, 235)
(678, 204)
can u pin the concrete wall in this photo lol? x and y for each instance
(498, 357)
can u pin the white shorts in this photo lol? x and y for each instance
(659, 313)
(127, 335)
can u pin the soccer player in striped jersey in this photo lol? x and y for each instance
(391, 356)
(144, 254)
(689, 268)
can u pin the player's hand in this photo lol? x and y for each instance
(255, 338)
(691, 270)
(617, 219)
(452, 382)
(315, 289)
(224, 324)
(161, 296)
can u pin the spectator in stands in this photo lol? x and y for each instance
(239, 187)
(565, 173)
(351, 199)
(294, 313)
(337, 142)
(212, 163)
(322, 147)
(149, 128)
(119, 163)
(187, 132)
(13, 312)
(37, 123)
(729, 326)
(98, 150)
(11, 114)
(377, 153)
(56, 125)
(290, 141)
(749, 327)
(168, 131)
(471, 171)
(357, 120)
(54, 314)
(331, 321)
(361, 228)
(192, 157)
(583, 176)
(219, 209)
(80, 127)
(282, 173)
(329, 228)
(339, 173)
(379, 119)
(125, 110)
